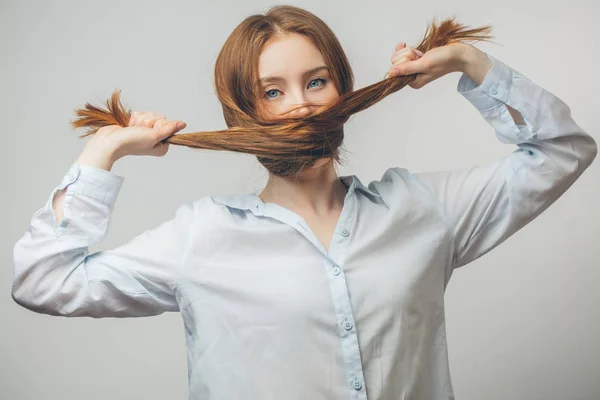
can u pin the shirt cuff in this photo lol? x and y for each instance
(493, 91)
(97, 183)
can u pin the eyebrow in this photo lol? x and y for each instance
(304, 75)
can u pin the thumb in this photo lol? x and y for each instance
(169, 129)
(409, 68)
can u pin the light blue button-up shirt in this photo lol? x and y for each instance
(268, 312)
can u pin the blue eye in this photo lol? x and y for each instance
(321, 80)
(313, 84)
(268, 92)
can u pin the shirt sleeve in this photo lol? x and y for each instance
(484, 205)
(55, 274)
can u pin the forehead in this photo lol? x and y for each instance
(288, 55)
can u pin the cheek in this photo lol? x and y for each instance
(330, 93)
(270, 109)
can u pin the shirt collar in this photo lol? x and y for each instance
(253, 202)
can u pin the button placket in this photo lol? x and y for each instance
(348, 338)
(347, 334)
(308, 234)
(347, 325)
(356, 384)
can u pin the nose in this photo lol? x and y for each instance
(301, 105)
(301, 111)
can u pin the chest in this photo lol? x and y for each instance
(278, 264)
(323, 226)
(269, 263)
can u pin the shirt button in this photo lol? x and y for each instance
(494, 89)
(357, 384)
(336, 270)
(347, 325)
(345, 233)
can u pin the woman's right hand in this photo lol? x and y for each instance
(141, 137)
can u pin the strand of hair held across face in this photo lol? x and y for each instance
(304, 139)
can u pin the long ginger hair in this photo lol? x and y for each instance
(285, 145)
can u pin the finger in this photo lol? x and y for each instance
(408, 68)
(150, 114)
(136, 115)
(147, 119)
(399, 46)
(132, 116)
(412, 53)
(150, 119)
(168, 129)
(418, 82)
(405, 58)
(162, 122)
(399, 53)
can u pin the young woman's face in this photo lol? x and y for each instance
(293, 73)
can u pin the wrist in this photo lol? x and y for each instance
(103, 159)
(474, 63)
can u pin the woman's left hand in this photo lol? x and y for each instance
(429, 66)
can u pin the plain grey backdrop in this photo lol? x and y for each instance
(523, 321)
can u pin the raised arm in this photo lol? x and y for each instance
(484, 205)
(53, 270)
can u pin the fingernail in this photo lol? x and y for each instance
(180, 125)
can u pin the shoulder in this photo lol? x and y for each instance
(395, 179)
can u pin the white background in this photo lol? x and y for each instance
(523, 321)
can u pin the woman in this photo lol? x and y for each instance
(320, 287)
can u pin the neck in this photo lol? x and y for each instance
(317, 190)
